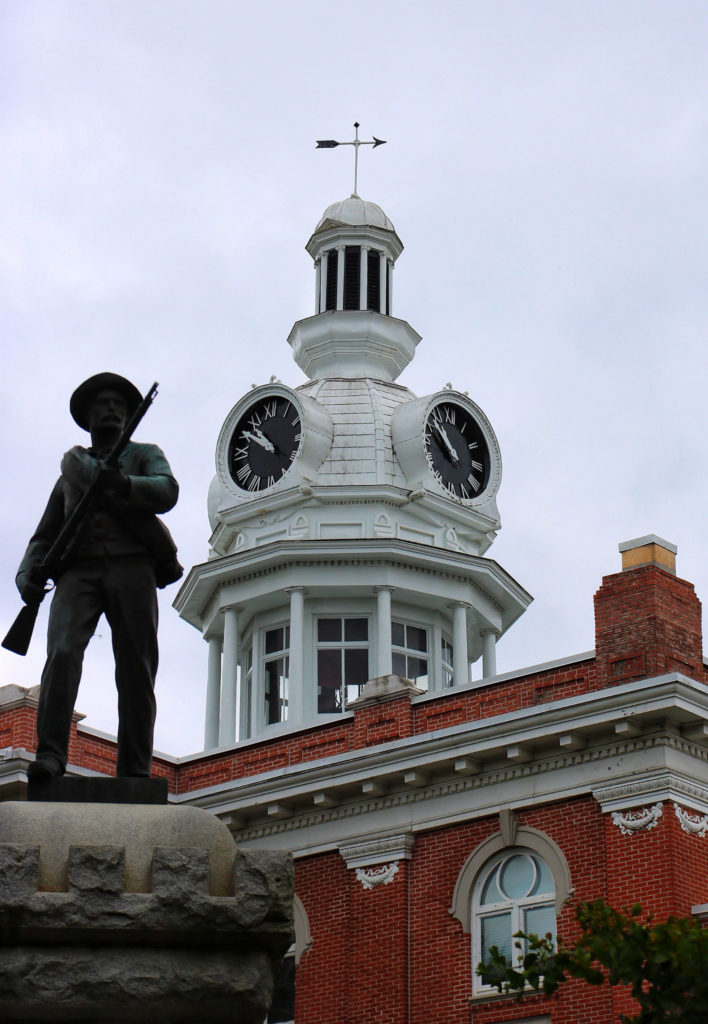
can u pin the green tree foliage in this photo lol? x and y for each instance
(664, 963)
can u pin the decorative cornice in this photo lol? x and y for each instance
(664, 785)
(364, 853)
(484, 781)
(638, 821)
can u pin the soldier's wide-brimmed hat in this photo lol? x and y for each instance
(80, 403)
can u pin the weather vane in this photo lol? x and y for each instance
(331, 143)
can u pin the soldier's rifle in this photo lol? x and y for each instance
(20, 632)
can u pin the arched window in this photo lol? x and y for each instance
(514, 892)
(516, 880)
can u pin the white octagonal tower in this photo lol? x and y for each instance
(349, 516)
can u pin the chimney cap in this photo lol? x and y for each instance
(649, 550)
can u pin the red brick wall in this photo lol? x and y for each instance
(395, 955)
(647, 622)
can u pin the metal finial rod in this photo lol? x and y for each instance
(356, 142)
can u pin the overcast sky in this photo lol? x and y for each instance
(546, 167)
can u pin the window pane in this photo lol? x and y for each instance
(398, 664)
(276, 690)
(274, 640)
(329, 630)
(490, 893)
(329, 681)
(356, 666)
(417, 638)
(356, 672)
(398, 635)
(356, 629)
(539, 920)
(545, 881)
(517, 876)
(496, 931)
(418, 671)
(446, 651)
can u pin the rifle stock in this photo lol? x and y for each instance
(20, 632)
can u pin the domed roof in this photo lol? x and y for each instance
(356, 212)
(362, 449)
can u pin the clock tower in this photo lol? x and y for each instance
(350, 518)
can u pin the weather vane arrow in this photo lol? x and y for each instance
(356, 142)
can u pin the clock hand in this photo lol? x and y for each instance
(452, 451)
(260, 438)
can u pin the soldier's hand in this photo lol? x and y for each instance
(79, 468)
(113, 480)
(30, 590)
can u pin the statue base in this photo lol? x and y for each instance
(96, 790)
(115, 913)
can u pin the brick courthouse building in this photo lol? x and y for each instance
(432, 809)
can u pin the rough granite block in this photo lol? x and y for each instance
(180, 873)
(19, 870)
(97, 869)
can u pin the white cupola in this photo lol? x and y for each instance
(350, 518)
(353, 332)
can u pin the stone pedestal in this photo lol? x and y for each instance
(117, 913)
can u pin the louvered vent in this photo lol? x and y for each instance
(331, 296)
(373, 281)
(352, 276)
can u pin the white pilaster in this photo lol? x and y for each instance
(229, 679)
(460, 660)
(363, 276)
(489, 652)
(296, 681)
(340, 277)
(390, 288)
(384, 657)
(213, 694)
(318, 284)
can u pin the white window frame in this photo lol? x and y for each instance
(517, 908)
(446, 675)
(265, 659)
(342, 646)
(398, 619)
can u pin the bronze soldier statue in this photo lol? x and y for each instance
(121, 553)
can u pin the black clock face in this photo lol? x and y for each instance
(457, 453)
(264, 444)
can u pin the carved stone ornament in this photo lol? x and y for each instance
(693, 824)
(370, 878)
(642, 820)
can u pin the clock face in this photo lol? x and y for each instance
(456, 450)
(264, 444)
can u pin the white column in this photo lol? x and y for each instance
(489, 652)
(296, 682)
(363, 276)
(340, 277)
(318, 284)
(390, 288)
(460, 661)
(382, 283)
(213, 694)
(324, 259)
(384, 657)
(229, 678)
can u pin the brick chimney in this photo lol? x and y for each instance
(647, 620)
